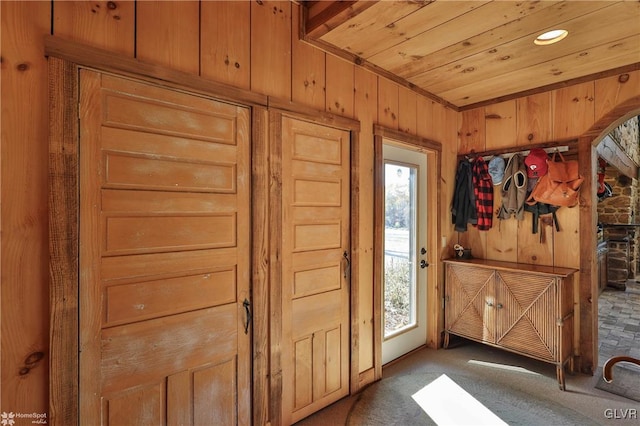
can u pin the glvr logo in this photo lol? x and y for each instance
(7, 419)
(621, 413)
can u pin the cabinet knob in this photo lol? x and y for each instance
(499, 306)
(489, 304)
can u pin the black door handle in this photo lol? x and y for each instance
(423, 264)
(247, 311)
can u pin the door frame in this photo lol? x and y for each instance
(433, 150)
(65, 59)
(273, 152)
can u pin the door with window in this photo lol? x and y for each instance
(404, 282)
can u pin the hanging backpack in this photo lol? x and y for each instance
(560, 186)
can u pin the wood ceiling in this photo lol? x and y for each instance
(471, 53)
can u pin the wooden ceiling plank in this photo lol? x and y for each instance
(323, 17)
(617, 22)
(481, 19)
(391, 23)
(551, 16)
(620, 53)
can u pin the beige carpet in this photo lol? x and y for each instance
(626, 382)
(390, 402)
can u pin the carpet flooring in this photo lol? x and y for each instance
(626, 382)
(515, 390)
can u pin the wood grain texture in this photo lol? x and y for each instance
(471, 133)
(166, 34)
(24, 222)
(586, 335)
(260, 268)
(500, 125)
(407, 111)
(339, 90)
(615, 90)
(534, 119)
(225, 42)
(104, 24)
(573, 110)
(308, 65)
(366, 91)
(388, 103)
(271, 48)
(63, 242)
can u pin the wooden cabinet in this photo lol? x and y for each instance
(527, 309)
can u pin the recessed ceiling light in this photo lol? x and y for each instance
(550, 37)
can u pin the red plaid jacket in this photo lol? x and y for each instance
(483, 190)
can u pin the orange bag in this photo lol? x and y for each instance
(560, 186)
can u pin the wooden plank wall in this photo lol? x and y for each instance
(250, 45)
(558, 115)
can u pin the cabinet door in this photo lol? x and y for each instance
(469, 310)
(526, 320)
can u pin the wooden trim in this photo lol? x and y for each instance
(378, 252)
(332, 50)
(554, 86)
(354, 278)
(260, 268)
(366, 377)
(434, 289)
(618, 115)
(275, 270)
(572, 145)
(406, 138)
(294, 110)
(63, 241)
(587, 309)
(105, 60)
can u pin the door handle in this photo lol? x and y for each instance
(345, 256)
(423, 264)
(247, 312)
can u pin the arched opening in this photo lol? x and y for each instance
(588, 285)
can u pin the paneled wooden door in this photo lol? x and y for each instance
(164, 256)
(315, 266)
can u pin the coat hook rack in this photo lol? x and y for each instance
(473, 155)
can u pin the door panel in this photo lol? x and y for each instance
(164, 256)
(315, 294)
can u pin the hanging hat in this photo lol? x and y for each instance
(496, 170)
(536, 163)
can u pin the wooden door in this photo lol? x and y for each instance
(315, 267)
(164, 256)
(469, 296)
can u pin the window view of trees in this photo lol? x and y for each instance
(398, 272)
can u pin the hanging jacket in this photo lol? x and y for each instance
(483, 191)
(514, 189)
(463, 207)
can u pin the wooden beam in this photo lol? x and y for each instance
(615, 155)
(321, 17)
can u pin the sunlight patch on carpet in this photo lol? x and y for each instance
(503, 367)
(448, 404)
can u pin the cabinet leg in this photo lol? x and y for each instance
(560, 375)
(445, 344)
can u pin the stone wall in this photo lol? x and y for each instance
(627, 137)
(623, 208)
